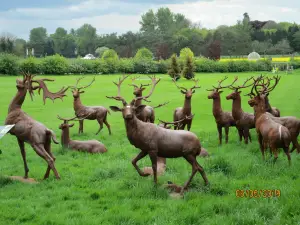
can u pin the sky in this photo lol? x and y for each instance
(18, 17)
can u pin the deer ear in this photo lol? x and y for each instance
(239, 92)
(139, 109)
(183, 92)
(143, 89)
(71, 125)
(267, 94)
(81, 92)
(220, 92)
(115, 108)
(193, 91)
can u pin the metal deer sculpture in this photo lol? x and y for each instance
(27, 129)
(90, 146)
(185, 111)
(98, 113)
(156, 141)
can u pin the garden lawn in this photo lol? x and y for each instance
(106, 189)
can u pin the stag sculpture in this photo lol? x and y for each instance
(270, 134)
(185, 111)
(223, 119)
(90, 146)
(156, 141)
(148, 114)
(244, 121)
(27, 129)
(98, 113)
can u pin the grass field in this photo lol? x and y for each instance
(106, 189)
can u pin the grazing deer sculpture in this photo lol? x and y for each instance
(148, 114)
(244, 121)
(27, 129)
(185, 111)
(270, 133)
(90, 146)
(223, 119)
(156, 141)
(98, 113)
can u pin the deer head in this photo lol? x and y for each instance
(236, 89)
(216, 91)
(188, 92)
(257, 95)
(138, 90)
(66, 124)
(78, 90)
(129, 110)
(27, 85)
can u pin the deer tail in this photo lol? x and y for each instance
(53, 136)
(108, 111)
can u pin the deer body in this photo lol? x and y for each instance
(148, 114)
(244, 121)
(273, 110)
(98, 113)
(29, 130)
(90, 146)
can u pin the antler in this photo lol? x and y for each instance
(154, 83)
(196, 84)
(178, 121)
(182, 88)
(220, 82)
(269, 89)
(71, 119)
(46, 93)
(242, 86)
(119, 97)
(132, 80)
(254, 87)
(160, 105)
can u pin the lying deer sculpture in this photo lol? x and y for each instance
(244, 121)
(223, 119)
(90, 146)
(290, 122)
(185, 111)
(148, 114)
(156, 141)
(270, 134)
(27, 129)
(98, 113)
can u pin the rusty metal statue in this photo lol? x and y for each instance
(27, 129)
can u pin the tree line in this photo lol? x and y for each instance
(163, 33)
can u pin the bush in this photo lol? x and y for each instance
(31, 64)
(186, 52)
(162, 66)
(110, 61)
(205, 65)
(8, 64)
(126, 65)
(295, 64)
(143, 54)
(188, 70)
(55, 64)
(222, 67)
(174, 70)
(145, 66)
(110, 54)
(79, 66)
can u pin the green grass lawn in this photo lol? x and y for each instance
(106, 189)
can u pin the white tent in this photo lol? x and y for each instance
(253, 56)
(89, 56)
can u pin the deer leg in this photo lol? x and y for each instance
(101, 125)
(241, 134)
(226, 134)
(107, 125)
(42, 152)
(80, 126)
(153, 157)
(48, 150)
(275, 154)
(220, 134)
(295, 145)
(23, 153)
(250, 139)
(261, 145)
(189, 125)
(287, 152)
(246, 134)
(136, 159)
(192, 160)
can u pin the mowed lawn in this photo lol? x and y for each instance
(106, 189)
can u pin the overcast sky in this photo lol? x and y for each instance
(20, 16)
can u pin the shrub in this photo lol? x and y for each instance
(264, 65)
(295, 64)
(55, 64)
(186, 52)
(174, 70)
(110, 61)
(145, 66)
(8, 64)
(126, 65)
(31, 64)
(205, 65)
(188, 70)
(110, 54)
(79, 66)
(162, 66)
(143, 54)
(99, 51)
(221, 67)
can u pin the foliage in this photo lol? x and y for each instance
(188, 69)
(126, 65)
(38, 41)
(143, 54)
(99, 51)
(145, 66)
(110, 54)
(110, 61)
(55, 64)
(31, 64)
(86, 39)
(174, 71)
(186, 52)
(8, 64)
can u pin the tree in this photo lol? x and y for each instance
(64, 43)
(186, 52)
(174, 71)
(296, 41)
(110, 54)
(143, 54)
(261, 47)
(86, 38)
(100, 50)
(7, 42)
(38, 40)
(20, 47)
(282, 47)
(188, 69)
(214, 50)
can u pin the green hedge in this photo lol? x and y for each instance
(56, 64)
